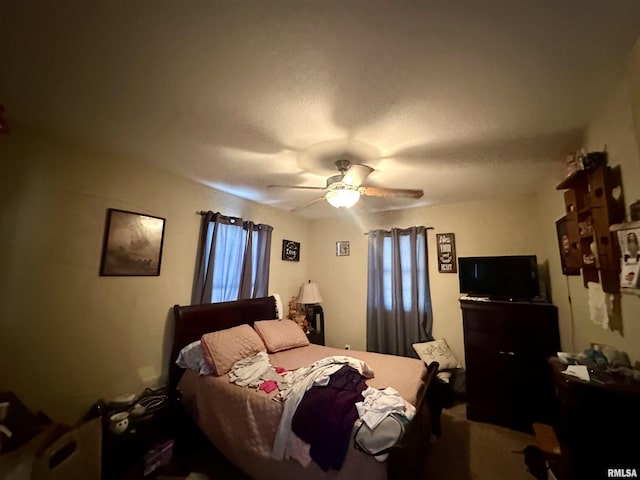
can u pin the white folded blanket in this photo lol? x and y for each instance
(248, 371)
(377, 404)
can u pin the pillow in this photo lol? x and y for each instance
(192, 357)
(225, 347)
(281, 335)
(437, 351)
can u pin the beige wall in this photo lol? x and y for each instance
(633, 84)
(495, 227)
(492, 227)
(549, 207)
(618, 127)
(68, 336)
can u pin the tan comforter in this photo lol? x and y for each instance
(241, 422)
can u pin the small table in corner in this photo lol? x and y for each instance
(316, 337)
(595, 422)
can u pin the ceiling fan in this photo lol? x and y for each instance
(345, 188)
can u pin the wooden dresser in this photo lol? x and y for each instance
(506, 349)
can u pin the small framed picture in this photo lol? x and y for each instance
(342, 248)
(132, 244)
(569, 254)
(290, 251)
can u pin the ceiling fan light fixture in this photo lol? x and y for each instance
(346, 198)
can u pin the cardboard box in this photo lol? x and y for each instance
(55, 454)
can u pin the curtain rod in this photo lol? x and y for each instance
(427, 228)
(229, 217)
(202, 212)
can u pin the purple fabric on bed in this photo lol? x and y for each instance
(326, 415)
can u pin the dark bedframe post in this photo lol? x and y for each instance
(407, 460)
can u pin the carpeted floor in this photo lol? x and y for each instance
(476, 451)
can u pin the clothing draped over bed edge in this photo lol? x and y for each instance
(227, 413)
(299, 382)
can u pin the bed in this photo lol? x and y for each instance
(241, 422)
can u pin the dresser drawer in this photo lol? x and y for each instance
(538, 344)
(490, 321)
(489, 341)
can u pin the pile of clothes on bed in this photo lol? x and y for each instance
(322, 403)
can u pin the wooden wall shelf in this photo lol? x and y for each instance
(624, 226)
(576, 178)
(590, 209)
(630, 291)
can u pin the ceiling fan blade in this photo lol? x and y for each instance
(356, 174)
(312, 202)
(303, 187)
(390, 192)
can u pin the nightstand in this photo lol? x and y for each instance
(123, 454)
(316, 336)
(315, 317)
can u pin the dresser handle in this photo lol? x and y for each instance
(506, 353)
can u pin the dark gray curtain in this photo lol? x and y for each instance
(233, 259)
(398, 300)
(254, 279)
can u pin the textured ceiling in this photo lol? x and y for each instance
(463, 99)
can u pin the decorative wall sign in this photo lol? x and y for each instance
(567, 257)
(446, 244)
(132, 244)
(290, 250)
(342, 248)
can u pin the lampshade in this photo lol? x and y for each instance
(343, 197)
(309, 293)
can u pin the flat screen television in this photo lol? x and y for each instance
(513, 277)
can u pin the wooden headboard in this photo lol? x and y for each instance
(193, 321)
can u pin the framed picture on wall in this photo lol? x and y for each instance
(446, 245)
(629, 241)
(343, 249)
(132, 244)
(290, 250)
(564, 245)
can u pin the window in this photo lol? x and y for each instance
(407, 261)
(398, 299)
(233, 260)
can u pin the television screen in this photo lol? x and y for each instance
(512, 277)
